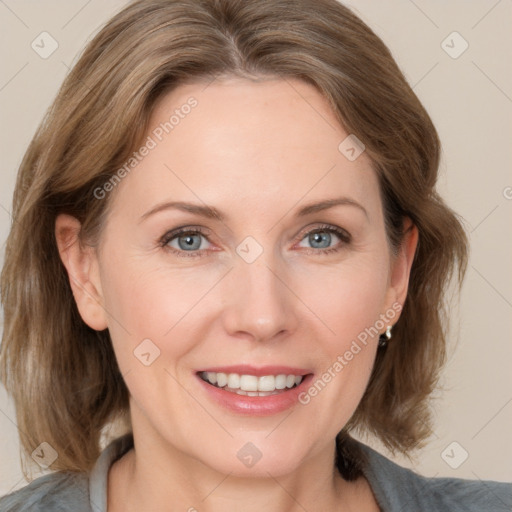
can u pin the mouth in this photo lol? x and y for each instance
(254, 390)
(252, 385)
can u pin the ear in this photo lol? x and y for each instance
(83, 271)
(401, 266)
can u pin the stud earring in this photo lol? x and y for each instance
(384, 338)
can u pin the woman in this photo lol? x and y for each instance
(227, 239)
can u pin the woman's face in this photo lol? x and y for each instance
(277, 284)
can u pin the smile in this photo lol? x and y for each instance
(252, 385)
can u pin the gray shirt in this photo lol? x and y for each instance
(396, 489)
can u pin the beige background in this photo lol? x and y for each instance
(470, 101)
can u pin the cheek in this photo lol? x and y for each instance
(348, 298)
(349, 303)
(152, 301)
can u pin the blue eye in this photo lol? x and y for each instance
(322, 237)
(188, 240)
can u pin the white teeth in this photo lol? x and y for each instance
(280, 381)
(222, 379)
(255, 393)
(290, 381)
(234, 381)
(252, 385)
(267, 383)
(249, 383)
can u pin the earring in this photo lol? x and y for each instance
(384, 338)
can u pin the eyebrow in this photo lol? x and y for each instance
(210, 212)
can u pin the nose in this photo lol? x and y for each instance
(259, 303)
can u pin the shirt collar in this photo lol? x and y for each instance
(98, 478)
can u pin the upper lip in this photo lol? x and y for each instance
(258, 371)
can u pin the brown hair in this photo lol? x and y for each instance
(62, 374)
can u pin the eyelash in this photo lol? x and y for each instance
(343, 235)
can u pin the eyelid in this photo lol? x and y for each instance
(170, 235)
(342, 233)
(174, 233)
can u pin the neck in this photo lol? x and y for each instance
(157, 476)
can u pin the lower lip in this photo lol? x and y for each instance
(256, 405)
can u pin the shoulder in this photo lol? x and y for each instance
(56, 492)
(69, 491)
(399, 488)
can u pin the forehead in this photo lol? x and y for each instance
(267, 142)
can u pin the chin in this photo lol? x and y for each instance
(258, 458)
